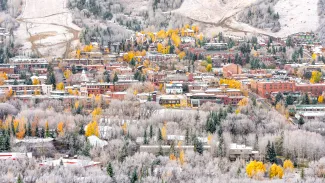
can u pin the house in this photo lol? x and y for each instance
(242, 151)
(174, 88)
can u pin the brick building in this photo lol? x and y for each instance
(265, 88)
(230, 69)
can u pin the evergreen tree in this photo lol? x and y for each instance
(81, 130)
(115, 79)
(198, 146)
(301, 121)
(73, 69)
(145, 140)
(159, 135)
(7, 142)
(15, 82)
(29, 130)
(187, 137)
(289, 100)
(110, 170)
(134, 177)
(160, 152)
(270, 153)
(151, 131)
(305, 99)
(19, 180)
(278, 97)
(36, 131)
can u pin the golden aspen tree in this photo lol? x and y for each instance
(209, 67)
(182, 157)
(60, 128)
(276, 171)
(92, 129)
(125, 128)
(164, 131)
(96, 112)
(254, 168)
(67, 73)
(320, 99)
(288, 165)
(60, 86)
(181, 55)
(316, 76)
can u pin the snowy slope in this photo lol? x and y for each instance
(212, 10)
(297, 16)
(46, 28)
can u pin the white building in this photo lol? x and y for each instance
(174, 88)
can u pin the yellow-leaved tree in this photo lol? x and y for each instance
(67, 73)
(92, 129)
(36, 81)
(288, 165)
(316, 76)
(320, 99)
(276, 171)
(255, 169)
(60, 128)
(181, 55)
(124, 128)
(182, 157)
(209, 67)
(164, 131)
(96, 112)
(60, 86)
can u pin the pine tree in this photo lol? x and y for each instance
(36, 131)
(198, 146)
(81, 130)
(159, 135)
(109, 170)
(187, 137)
(267, 150)
(115, 79)
(160, 152)
(19, 180)
(151, 132)
(145, 140)
(134, 177)
(301, 121)
(273, 154)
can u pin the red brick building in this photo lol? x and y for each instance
(265, 88)
(230, 69)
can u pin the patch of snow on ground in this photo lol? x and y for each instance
(95, 141)
(297, 16)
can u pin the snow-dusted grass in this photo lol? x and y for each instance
(297, 16)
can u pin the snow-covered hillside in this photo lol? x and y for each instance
(46, 28)
(297, 16)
